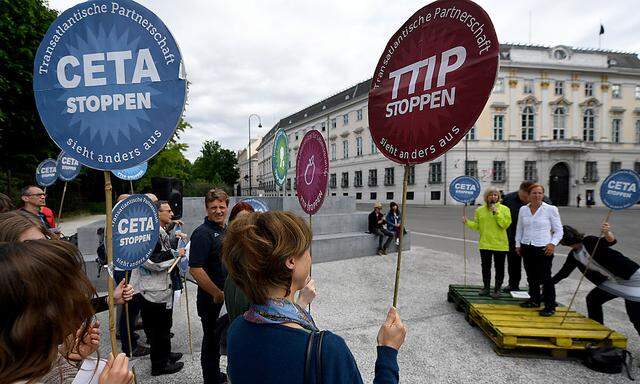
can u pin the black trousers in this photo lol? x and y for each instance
(514, 267)
(381, 232)
(134, 311)
(157, 321)
(597, 297)
(485, 261)
(538, 268)
(210, 356)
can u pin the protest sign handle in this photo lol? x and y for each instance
(310, 251)
(401, 234)
(126, 314)
(464, 241)
(591, 256)
(186, 296)
(108, 242)
(64, 191)
(131, 185)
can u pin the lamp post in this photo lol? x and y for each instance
(249, 151)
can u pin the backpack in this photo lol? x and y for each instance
(608, 359)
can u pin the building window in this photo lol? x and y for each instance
(636, 166)
(289, 183)
(435, 173)
(389, 176)
(374, 149)
(559, 88)
(615, 166)
(345, 194)
(373, 196)
(435, 195)
(615, 130)
(323, 127)
(345, 149)
(357, 179)
(344, 182)
(559, 123)
(345, 119)
(588, 125)
(499, 172)
(528, 123)
(296, 135)
(638, 131)
(471, 168)
(333, 123)
(410, 195)
(527, 86)
(559, 54)
(616, 91)
(591, 172)
(411, 177)
(332, 180)
(389, 195)
(588, 89)
(295, 183)
(358, 195)
(471, 135)
(333, 194)
(373, 178)
(498, 87)
(530, 171)
(359, 114)
(498, 127)
(358, 146)
(333, 151)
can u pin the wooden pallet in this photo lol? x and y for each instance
(516, 330)
(463, 296)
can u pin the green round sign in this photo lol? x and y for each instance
(280, 157)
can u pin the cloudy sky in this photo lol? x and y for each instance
(273, 58)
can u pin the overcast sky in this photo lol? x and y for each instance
(273, 58)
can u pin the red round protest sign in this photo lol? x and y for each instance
(432, 81)
(312, 171)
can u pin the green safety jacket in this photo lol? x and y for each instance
(492, 228)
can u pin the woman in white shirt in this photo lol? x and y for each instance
(538, 232)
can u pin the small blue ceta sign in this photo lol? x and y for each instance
(109, 83)
(135, 231)
(133, 173)
(68, 167)
(464, 189)
(46, 173)
(257, 204)
(620, 189)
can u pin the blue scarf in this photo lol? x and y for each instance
(279, 311)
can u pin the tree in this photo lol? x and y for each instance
(216, 163)
(23, 139)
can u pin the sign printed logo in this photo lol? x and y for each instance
(68, 167)
(109, 83)
(464, 189)
(135, 231)
(46, 173)
(432, 81)
(133, 173)
(312, 171)
(280, 157)
(620, 189)
(257, 204)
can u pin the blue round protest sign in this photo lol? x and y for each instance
(257, 204)
(109, 83)
(464, 189)
(135, 231)
(68, 167)
(133, 173)
(280, 157)
(620, 189)
(46, 173)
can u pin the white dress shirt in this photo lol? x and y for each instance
(540, 229)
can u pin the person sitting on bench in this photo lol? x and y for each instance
(377, 227)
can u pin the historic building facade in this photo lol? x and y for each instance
(560, 116)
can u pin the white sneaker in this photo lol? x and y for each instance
(398, 242)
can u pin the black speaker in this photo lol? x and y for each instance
(170, 189)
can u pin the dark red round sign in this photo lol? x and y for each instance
(432, 81)
(312, 171)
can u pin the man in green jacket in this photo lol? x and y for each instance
(491, 220)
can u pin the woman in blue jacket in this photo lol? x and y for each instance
(276, 340)
(394, 217)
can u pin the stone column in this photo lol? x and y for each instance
(603, 115)
(544, 108)
(576, 127)
(513, 132)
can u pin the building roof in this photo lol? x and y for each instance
(616, 59)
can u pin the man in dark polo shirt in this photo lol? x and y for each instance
(206, 267)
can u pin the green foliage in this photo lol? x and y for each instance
(216, 164)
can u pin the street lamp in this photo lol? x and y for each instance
(249, 151)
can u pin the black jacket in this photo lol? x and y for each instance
(373, 221)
